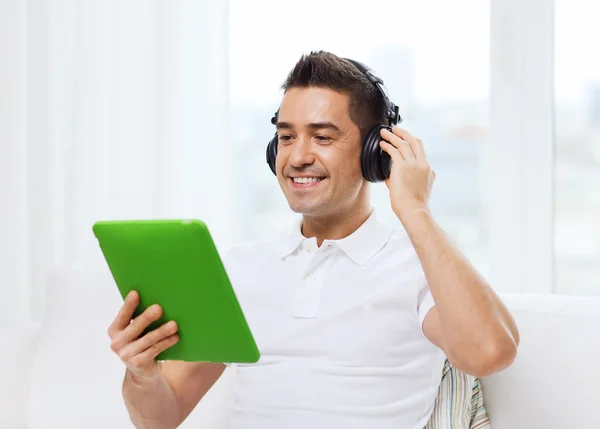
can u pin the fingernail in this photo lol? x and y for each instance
(171, 325)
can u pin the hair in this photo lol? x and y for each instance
(325, 70)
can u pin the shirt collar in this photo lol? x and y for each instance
(360, 246)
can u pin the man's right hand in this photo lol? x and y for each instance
(138, 352)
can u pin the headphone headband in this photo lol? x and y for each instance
(392, 112)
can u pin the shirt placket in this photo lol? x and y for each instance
(307, 295)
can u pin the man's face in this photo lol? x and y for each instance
(318, 159)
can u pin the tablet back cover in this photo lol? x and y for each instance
(175, 264)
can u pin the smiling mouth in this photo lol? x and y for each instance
(306, 182)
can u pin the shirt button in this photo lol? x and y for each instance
(310, 277)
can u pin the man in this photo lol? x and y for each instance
(354, 319)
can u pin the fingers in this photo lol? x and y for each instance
(125, 314)
(403, 146)
(146, 358)
(392, 151)
(420, 151)
(147, 341)
(140, 323)
(138, 351)
(123, 331)
(415, 144)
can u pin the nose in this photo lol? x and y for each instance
(301, 154)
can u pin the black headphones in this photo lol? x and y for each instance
(375, 163)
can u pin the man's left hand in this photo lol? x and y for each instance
(411, 178)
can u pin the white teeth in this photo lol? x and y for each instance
(307, 179)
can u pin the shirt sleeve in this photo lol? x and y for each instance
(425, 301)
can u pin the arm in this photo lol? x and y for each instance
(166, 399)
(469, 322)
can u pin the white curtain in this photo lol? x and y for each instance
(109, 109)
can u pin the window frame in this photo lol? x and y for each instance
(518, 160)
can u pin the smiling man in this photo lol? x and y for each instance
(354, 318)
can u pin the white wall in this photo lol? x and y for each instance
(13, 149)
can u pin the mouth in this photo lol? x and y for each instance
(305, 182)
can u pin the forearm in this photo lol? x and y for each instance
(152, 404)
(473, 317)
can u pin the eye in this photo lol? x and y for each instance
(323, 139)
(285, 138)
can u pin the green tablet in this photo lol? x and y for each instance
(174, 263)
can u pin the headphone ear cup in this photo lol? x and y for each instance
(272, 153)
(375, 162)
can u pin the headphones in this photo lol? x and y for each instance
(375, 162)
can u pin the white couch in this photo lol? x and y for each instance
(65, 376)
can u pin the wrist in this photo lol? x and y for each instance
(141, 378)
(412, 212)
(419, 225)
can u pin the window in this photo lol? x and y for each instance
(435, 67)
(577, 148)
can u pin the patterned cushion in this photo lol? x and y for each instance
(459, 404)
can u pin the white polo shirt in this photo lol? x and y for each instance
(339, 328)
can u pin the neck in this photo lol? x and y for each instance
(335, 226)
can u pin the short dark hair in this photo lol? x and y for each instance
(326, 70)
